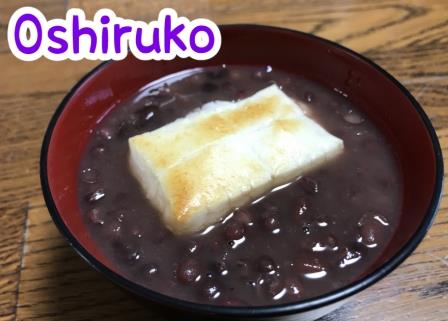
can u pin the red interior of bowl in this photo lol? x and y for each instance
(366, 86)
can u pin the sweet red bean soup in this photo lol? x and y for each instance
(313, 235)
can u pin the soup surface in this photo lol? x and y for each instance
(314, 235)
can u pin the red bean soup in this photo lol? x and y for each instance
(318, 233)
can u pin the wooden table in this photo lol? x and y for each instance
(41, 278)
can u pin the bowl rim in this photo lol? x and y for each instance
(253, 311)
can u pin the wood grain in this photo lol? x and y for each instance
(41, 278)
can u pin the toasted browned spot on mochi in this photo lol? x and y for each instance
(289, 125)
(226, 123)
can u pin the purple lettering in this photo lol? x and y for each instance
(118, 32)
(173, 35)
(155, 46)
(35, 47)
(63, 46)
(210, 35)
(104, 34)
(78, 32)
(107, 36)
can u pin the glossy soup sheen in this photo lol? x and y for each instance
(321, 232)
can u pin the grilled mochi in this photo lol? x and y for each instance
(221, 156)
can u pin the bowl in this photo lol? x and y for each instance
(365, 84)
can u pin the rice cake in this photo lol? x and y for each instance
(200, 167)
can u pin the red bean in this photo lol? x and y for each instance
(210, 292)
(302, 207)
(89, 175)
(309, 185)
(294, 287)
(234, 231)
(105, 133)
(371, 229)
(262, 74)
(243, 216)
(151, 269)
(349, 257)
(95, 216)
(243, 268)
(270, 286)
(188, 271)
(221, 268)
(98, 151)
(309, 96)
(266, 264)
